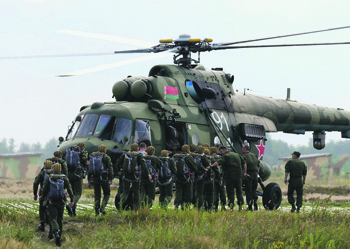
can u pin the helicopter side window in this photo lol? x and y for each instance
(142, 132)
(104, 128)
(123, 131)
(87, 126)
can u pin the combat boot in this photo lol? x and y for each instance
(97, 211)
(293, 208)
(50, 234)
(298, 209)
(239, 208)
(256, 205)
(74, 212)
(58, 238)
(250, 208)
(102, 211)
(42, 226)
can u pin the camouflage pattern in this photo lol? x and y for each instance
(20, 165)
(320, 166)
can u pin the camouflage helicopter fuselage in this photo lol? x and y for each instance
(207, 106)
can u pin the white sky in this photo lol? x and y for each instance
(36, 105)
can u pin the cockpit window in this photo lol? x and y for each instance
(87, 126)
(104, 128)
(142, 132)
(72, 129)
(123, 131)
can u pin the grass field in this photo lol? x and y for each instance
(324, 222)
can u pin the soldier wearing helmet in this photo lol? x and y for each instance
(55, 188)
(40, 179)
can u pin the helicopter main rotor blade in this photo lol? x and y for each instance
(279, 45)
(53, 55)
(282, 36)
(134, 42)
(115, 64)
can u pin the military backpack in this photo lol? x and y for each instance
(182, 167)
(96, 166)
(152, 171)
(73, 157)
(165, 172)
(130, 165)
(57, 192)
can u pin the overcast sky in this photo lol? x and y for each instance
(36, 105)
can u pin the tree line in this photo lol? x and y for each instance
(274, 148)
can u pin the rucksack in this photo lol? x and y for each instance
(57, 191)
(72, 157)
(130, 165)
(96, 166)
(182, 167)
(152, 171)
(165, 172)
(198, 158)
(47, 174)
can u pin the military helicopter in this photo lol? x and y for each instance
(185, 103)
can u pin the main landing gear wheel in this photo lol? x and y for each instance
(272, 196)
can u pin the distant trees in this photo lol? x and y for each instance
(8, 147)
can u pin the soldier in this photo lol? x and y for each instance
(101, 174)
(219, 189)
(184, 165)
(143, 148)
(54, 187)
(130, 163)
(77, 161)
(149, 187)
(193, 149)
(41, 178)
(203, 161)
(209, 183)
(296, 170)
(58, 159)
(251, 180)
(165, 179)
(232, 164)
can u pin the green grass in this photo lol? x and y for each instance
(160, 228)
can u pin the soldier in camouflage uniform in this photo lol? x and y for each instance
(199, 181)
(166, 185)
(183, 182)
(148, 193)
(219, 189)
(232, 164)
(56, 207)
(193, 149)
(251, 180)
(41, 178)
(296, 170)
(58, 159)
(103, 180)
(133, 179)
(209, 176)
(76, 176)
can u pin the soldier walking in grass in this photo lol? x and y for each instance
(165, 178)
(233, 164)
(149, 187)
(296, 170)
(77, 161)
(41, 178)
(219, 188)
(55, 188)
(101, 175)
(251, 180)
(130, 163)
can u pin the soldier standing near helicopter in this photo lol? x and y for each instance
(77, 161)
(296, 170)
(251, 180)
(130, 163)
(209, 176)
(165, 179)
(219, 189)
(232, 164)
(148, 193)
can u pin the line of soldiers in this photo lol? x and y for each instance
(198, 173)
